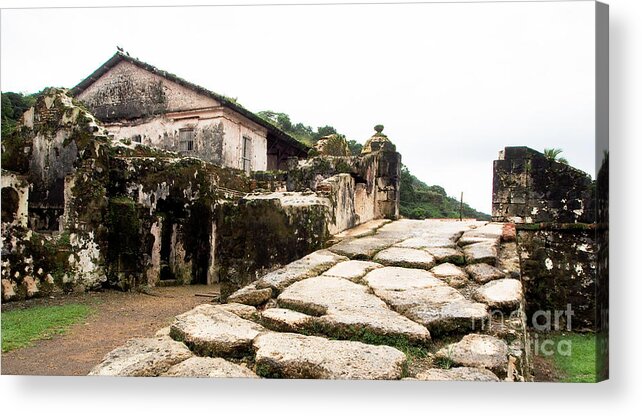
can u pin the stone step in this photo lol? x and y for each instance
(142, 357)
(451, 274)
(250, 295)
(427, 300)
(211, 330)
(346, 310)
(405, 257)
(362, 230)
(457, 374)
(484, 273)
(503, 294)
(286, 355)
(285, 320)
(199, 367)
(311, 265)
(487, 233)
(483, 252)
(479, 351)
(362, 248)
(352, 270)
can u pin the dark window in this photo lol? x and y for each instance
(137, 138)
(247, 154)
(186, 139)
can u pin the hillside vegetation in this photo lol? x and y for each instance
(420, 201)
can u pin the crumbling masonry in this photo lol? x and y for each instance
(83, 210)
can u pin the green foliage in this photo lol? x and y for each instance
(21, 327)
(13, 107)
(578, 366)
(421, 201)
(355, 147)
(303, 133)
(553, 155)
(446, 362)
(266, 371)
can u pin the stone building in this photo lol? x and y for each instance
(144, 104)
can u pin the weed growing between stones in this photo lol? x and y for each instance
(445, 362)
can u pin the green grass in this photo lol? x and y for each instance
(579, 365)
(21, 327)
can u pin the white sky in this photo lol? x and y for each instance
(452, 83)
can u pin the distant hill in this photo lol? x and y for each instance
(420, 201)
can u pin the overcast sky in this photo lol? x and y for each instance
(452, 83)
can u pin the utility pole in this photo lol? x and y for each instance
(461, 207)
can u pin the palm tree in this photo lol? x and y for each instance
(552, 155)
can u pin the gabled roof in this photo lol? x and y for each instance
(119, 56)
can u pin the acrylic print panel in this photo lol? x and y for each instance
(307, 191)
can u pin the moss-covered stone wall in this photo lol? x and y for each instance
(257, 235)
(108, 212)
(553, 205)
(528, 187)
(558, 270)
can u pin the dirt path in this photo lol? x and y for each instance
(116, 317)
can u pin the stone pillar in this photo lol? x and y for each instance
(553, 207)
(388, 174)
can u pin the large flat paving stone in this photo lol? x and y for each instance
(210, 330)
(435, 233)
(485, 252)
(457, 374)
(480, 351)
(451, 274)
(242, 311)
(427, 242)
(199, 367)
(400, 278)
(286, 355)
(501, 294)
(425, 299)
(250, 295)
(405, 257)
(142, 357)
(362, 230)
(285, 320)
(311, 265)
(352, 270)
(488, 233)
(484, 273)
(447, 255)
(345, 309)
(362, 248)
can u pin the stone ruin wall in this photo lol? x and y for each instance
(128, 215)
(553, 207)
(59, 168)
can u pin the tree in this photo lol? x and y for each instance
(13, 107)
(553, 155)
(355, 147)
(305, 133)
(324, 131)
